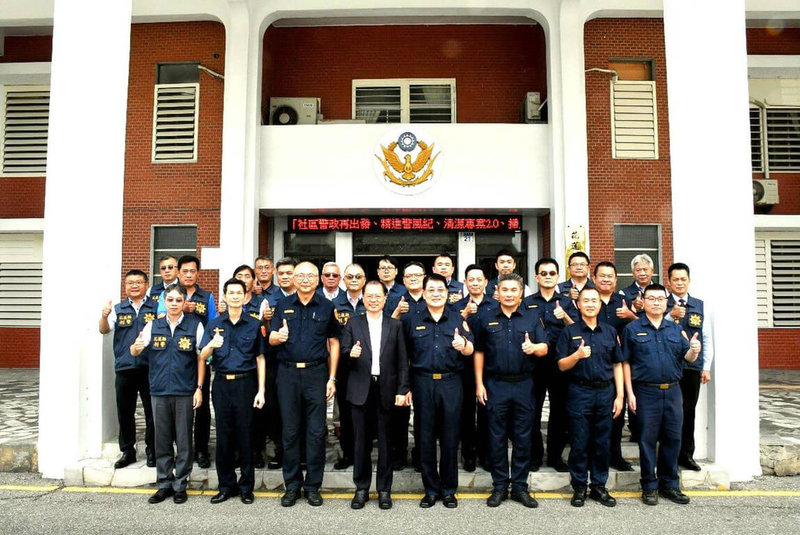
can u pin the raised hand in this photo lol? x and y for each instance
(355, 352)
(584, 351)
(694, 343)
(217, 341)
(138, 344)
(558, 312)
(283, 332)
(459, 342)
(528, 347)
(107, 309)
(222, 306)
(677, 311)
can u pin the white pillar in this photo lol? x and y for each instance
(713, 209)
(567, 115)
(83, 225)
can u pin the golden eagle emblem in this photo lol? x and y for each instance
(404, 172)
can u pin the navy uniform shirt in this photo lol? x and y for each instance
(310, 326)
(253, 307)
(630, 293)
(566, 286)
(604, 345)
(430, 342)
(242, 343)
(156, 291)
(500, 337)
(546, 309)
(455, 291)
(127, 326)
(344, 310)
(655, 355)
(608, 312)
(414, 305)
(173, 356)
(691, 324)
(485, 304)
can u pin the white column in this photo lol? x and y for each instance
(466, 253)
(567, 115)
(713, 209)
(83, 226)
(343, 249)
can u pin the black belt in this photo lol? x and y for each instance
(660, 386)
(510, 378)
(591, 384)
(436, 376)
(234, 376)
(302, 365)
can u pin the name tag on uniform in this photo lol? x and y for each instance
(124, 319)
(254, 315)
(289, 311)
(533, 306)
(159, 341)
(577, 337)
(493, 323)
(421, 327)
(641, 334)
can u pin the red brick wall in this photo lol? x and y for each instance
(31, 48)
(164, 194)
(544, 229)
(19, 347)
(777, 348)
(494, 65)
(625, 191)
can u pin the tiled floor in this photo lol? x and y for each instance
(19, 406)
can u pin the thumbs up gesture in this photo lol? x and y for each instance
(638, 303)
(694, 343)
(189, 306)
(355, 352)
(558, 312)
(677, 311)
(283, 332)
(527, 346)
(573, 293)
(624, 312)
(222, 306)
(584, 351)
(217, 341)
(138, 345)
(268, 312)
(107, 309)
(459, 342)
(402, 306)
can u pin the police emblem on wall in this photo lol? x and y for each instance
(407, 161)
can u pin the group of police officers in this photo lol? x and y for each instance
(280, 352)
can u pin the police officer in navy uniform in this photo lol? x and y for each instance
(200, 303)
(504, 264)
(168, 267)
(557, 311)
(614, 312)
(579, 267)
(687, 311)
(507, 339)
(176, 387)
(437, 338)
(445, 266)
(474, 427)
(305, 331)
(265, 270)
(387, 274)
(653, 349)
(347, 304)
(235, 344)
(127, 319)
(590, 356)
(642, 269)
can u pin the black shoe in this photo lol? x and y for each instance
(621, 465)
(258, 461)
(524, 497)
(248, 498)
(534, 467)
(385, 499)
(289, 498)
(600, 494)
(151, 459)
(343, 463)
(224, 496)
(649, 497)
(497, 497)
(360, 498)
(558, 465)
(429, 500)
(578, 497)
(450, 501)
(275, 463)
(161, 495)
(126, 459)
(675, 496)
(689, 463)
(180, 497)
(202, 459)
(469, 464)
(313, 497)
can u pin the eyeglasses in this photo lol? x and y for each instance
(387, 268)
(135, 283)
(263, 268)
(413, 275)
(579, 265)
(655, 299)
(172, 266)
(354, 277)
(304, 276)
(548, 273)
(605, 277)
(331, 275)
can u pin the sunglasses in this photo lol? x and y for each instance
(548, 273)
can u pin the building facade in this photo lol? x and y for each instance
(608, 126)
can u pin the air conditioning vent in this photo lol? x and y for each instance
(293, 110)
(765, 192)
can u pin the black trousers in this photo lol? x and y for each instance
(301, 394)
(202, 419)
(398, 432)
(474, 424)
(128, 384)
(267, 420)
(547, 378)
(346, 436)
(369, 420)
(233, 412)
(690, 389)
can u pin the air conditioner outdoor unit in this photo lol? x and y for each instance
(765, 191)
(293, 110)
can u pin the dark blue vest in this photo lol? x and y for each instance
(173, 357)
(129, 325)
(691, 323)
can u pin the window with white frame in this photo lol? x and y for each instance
(778, 279)
(175, 113)
(20, 279)
(775, 138)
(634, 118)
(632, 240)
(171, 240)
(25, 118)
(405, 100)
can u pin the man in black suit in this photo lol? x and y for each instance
(378, 379)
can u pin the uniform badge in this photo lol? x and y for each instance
(577, 337)
(533, 306)
(695, 320)
(155, 297)
(343, 316)
(184, 343)
(254, 315)
(124, 320)
(641, 334)
(493, 323)
(421, 327)
(148, 317)
(159, 342)
(454, 298)
(200, 308)
(407, 164)
(289, 311)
